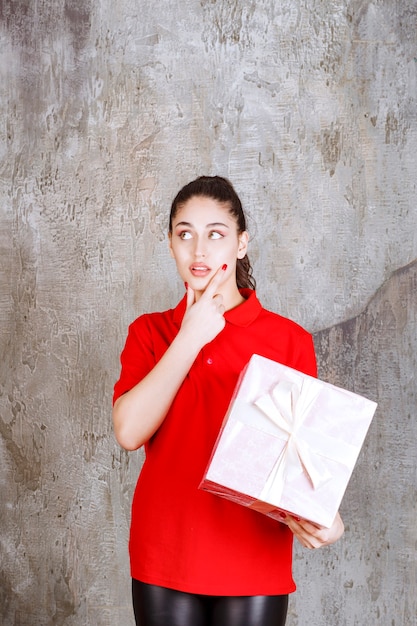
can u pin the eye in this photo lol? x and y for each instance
(185, 234)
(214, 234)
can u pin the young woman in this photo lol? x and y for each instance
(198, 559)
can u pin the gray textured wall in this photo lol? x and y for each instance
(106, 108)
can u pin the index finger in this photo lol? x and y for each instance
(190, 297)
(215, 281)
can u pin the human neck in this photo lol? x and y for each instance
(231, 298)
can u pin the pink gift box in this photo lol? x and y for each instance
(289, 442)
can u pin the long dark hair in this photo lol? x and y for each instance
(222, 190)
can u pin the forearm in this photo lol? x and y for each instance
(138, 413)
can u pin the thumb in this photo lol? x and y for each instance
(190, 298)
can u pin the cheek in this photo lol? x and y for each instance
(179, 258)
(175, 250)
(179, 254)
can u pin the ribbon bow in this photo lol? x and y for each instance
(287, 406)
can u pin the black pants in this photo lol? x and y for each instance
(158, 606)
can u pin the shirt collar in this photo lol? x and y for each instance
(242, 315)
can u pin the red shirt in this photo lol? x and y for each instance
(182, 537)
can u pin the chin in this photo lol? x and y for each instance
(198, 285)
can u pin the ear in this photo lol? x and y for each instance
(170, 245)
(243, 244)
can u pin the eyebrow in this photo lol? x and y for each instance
(212, 225)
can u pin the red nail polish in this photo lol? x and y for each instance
(224, 267)
(282, 515)
(297, 519)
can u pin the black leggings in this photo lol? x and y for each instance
(159, 606)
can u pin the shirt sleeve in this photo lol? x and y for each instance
(305, 355)
(137, 357)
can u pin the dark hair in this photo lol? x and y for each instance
(222, 190)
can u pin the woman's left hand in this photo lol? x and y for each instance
(312, 535)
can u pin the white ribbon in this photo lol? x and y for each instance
(287, 406)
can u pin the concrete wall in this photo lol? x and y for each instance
(106, 109)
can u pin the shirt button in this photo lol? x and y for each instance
(209, 361)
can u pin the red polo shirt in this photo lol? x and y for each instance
(182, 537)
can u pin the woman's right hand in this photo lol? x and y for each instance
(138, 413)
(204, 318)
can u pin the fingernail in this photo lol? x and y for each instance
(186, 285)
(282, 515)
(297, 519)
(224, 267)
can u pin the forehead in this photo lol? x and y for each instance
(200, 209)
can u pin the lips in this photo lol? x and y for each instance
(199, 269)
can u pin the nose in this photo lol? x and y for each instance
(200, 248)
